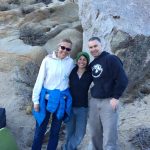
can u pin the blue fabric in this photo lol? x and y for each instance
(76, 128)
(54, 133)
(59, 102)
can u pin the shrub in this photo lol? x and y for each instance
(141, 138)
(4, 7)
(27, 10)
(14, 2)
(32, 36)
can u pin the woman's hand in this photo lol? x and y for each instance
(36, 107)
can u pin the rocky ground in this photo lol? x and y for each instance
(132, 116)
(18, 121)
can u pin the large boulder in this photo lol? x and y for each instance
(19, 66)
(73, 34)
(135, 53)
(17, 56)
(55, 24)
(121, 33)
(124, 29)
(56, 13)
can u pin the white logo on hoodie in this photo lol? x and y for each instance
(97, 70)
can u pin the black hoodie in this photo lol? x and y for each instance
(109, 76)
(79, 87)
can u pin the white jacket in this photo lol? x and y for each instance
(53, 74)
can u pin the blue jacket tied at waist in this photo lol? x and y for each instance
(58, 101)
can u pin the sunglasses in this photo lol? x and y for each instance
(65, 48)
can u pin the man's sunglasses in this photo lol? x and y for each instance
(65, 48)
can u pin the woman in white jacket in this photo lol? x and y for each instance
(51, 95)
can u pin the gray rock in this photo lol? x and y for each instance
(136, 62)
(123, 27)
(120, 40)
(24, 78)
(44, 1)
(122, 33)
(73, 34)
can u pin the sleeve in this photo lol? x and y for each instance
(39, 82)
(72, 65)
(70, 78)
(119, 76)
(73, 68)
(90, 73)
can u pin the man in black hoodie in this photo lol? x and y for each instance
(110, 81)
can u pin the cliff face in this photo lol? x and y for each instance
(100, 18)
(124, 28)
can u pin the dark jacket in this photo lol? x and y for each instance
(109, 76)
(79, 87)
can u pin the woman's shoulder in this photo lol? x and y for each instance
(74, 70)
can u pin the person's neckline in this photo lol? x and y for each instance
(80, 72)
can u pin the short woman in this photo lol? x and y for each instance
(80, 80)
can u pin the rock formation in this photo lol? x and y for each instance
(29, 29)
(28, 32)
(124, 28)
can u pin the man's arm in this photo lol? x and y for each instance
(119, 77)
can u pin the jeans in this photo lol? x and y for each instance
(76, 128)
(54, 133)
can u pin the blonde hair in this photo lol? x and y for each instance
(66, 40)
(63, 40)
